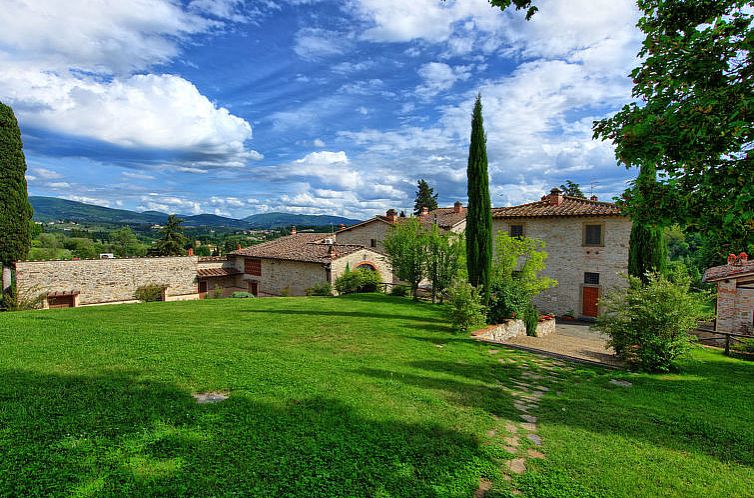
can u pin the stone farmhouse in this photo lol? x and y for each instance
(587, 245)
(735, 295)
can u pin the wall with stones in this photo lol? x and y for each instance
(364, 234)
(379, 261)
(281, 277)
(735, 308)
(568, 259)
(109, 280)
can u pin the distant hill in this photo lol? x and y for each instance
(279, 220)
(48, 209)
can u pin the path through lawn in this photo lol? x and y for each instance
(357, 396)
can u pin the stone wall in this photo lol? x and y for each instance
(109, 280)
(284, 277)
(568, 259)
(513, 328)
(363, 235)
(734, 308)
(379, 261)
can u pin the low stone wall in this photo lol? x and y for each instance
(513, 328)
(101, 281)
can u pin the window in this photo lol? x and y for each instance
(253, 267)
(373, 242)
(592, 278)
(593, 235)
(516, 231)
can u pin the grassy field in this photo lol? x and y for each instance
(357, 396)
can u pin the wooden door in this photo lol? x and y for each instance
(202, 290)
(254, 287)
(589, 298)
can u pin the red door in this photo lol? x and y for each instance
(589, 298)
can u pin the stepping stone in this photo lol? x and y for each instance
(213, 397)
(517, 465)
(622, 383)
(495, 417)
(493, 351)
(507, 477)
(511, 427)
(541, 388)
(439, 345)
(529, 418)
(535, 454)
(511, 449)
(511, 441)
(491, 433)
(521, 406)
(529, 426)
(484, 486)
(535, 439)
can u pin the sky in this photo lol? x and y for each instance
(237, 107)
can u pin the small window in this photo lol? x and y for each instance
(592, 278)
(592, 235)
(253, 267)
(516, 231)
(373, 243)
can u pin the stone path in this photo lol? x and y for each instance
(526, 391)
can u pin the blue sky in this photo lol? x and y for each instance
(237, 107)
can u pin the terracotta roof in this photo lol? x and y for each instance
(307, 247)
(445, 218)
(63, 293)
(570, 206)
(216, 272)
(728, 271)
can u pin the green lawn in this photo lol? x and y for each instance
(344, 396)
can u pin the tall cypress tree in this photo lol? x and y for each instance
(647, 249)
(425, 197)
(15, 209)
(479, 211)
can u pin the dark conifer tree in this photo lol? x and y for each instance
(479, 211)
(15, 209)
(425, 197)
(647, 249)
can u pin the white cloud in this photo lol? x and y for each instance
(58, 185)
(169, 204)
(318, 142)
(316, 43)
(133, 175)
(45, 173)
(440, 77)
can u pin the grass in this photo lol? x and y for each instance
(356, 396)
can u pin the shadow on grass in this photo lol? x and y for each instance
(349, 314)
(118, 435)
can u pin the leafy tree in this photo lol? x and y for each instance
(406, 248)
(15, 209)
(126, 243)
(479, 211)
(522, 259)
(443, 259)
(647, 250)
(425, 197)
(464, 306)
(519, 4)
(173, 240)
(694, 119)
(572, 189)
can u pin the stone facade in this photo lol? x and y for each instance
(364, 234)
(102, 281)
(735, 307)
(513, 328)
(569, 259)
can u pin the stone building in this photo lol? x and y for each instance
(587, 245)
(735, 295)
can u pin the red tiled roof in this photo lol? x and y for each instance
(216, 272)
(307, 247)
(445, 218)
(570, 206)
(727, 271)
(63, 293)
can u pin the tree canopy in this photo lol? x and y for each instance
(173, 240)
(693, 119)
(572, 189)
(425, 197)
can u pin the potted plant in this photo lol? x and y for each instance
(569, 315)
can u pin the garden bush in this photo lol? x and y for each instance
(463, 306)
(649, 324)
(16, 300)
(322, 289)
(242, 294)
(508, 299)
(400, 290)
(149, 293)
(359, 280)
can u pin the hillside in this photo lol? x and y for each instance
(48, 209)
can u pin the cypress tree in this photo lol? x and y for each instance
(647, 249)
(425, 197)
(15, 209)
(479, 211)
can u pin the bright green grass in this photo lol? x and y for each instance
(340, 397)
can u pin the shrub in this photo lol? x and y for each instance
(400, 290)
(150, 293)
(359, 280)
(217, 292)
(530, 317)
(23, 301)
(242, 294)
(649, 324)
(508, 299)
(323, 289)
(463, 306)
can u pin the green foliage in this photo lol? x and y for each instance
(556, 484)
(508, 299)
(692, 119)
(649, 324)
(479, 210)
(17, 300)
(572, 189)
(405, 246)
(149, 293)
(647, 251)
(400, 290)
(464, 306)
(359, 280)
(425, 197)
(442, 260)
(242, 295)
(202, 251)
(126, 244)
(15, 210)
(173, 240)
(321, 289)
(522, 259)
(743, 345)
(531, 319)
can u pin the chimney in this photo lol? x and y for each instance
(238, 247)
(556, 197)
(425, 211)
(593, 198)
(458, 207)
(391, 215)
(293, 230)
(342, 226)
(331, 252)
(191, 251)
